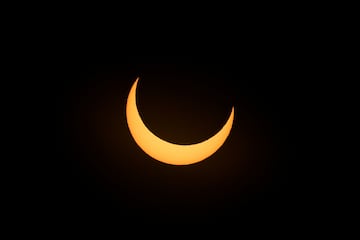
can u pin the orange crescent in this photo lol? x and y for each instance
(167, 152)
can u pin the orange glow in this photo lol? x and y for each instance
(168, 152)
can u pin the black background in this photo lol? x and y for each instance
(185, 94)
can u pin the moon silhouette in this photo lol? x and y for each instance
(166, 152)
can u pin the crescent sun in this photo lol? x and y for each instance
(167, 152)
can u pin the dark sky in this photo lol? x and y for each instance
(184, 97)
